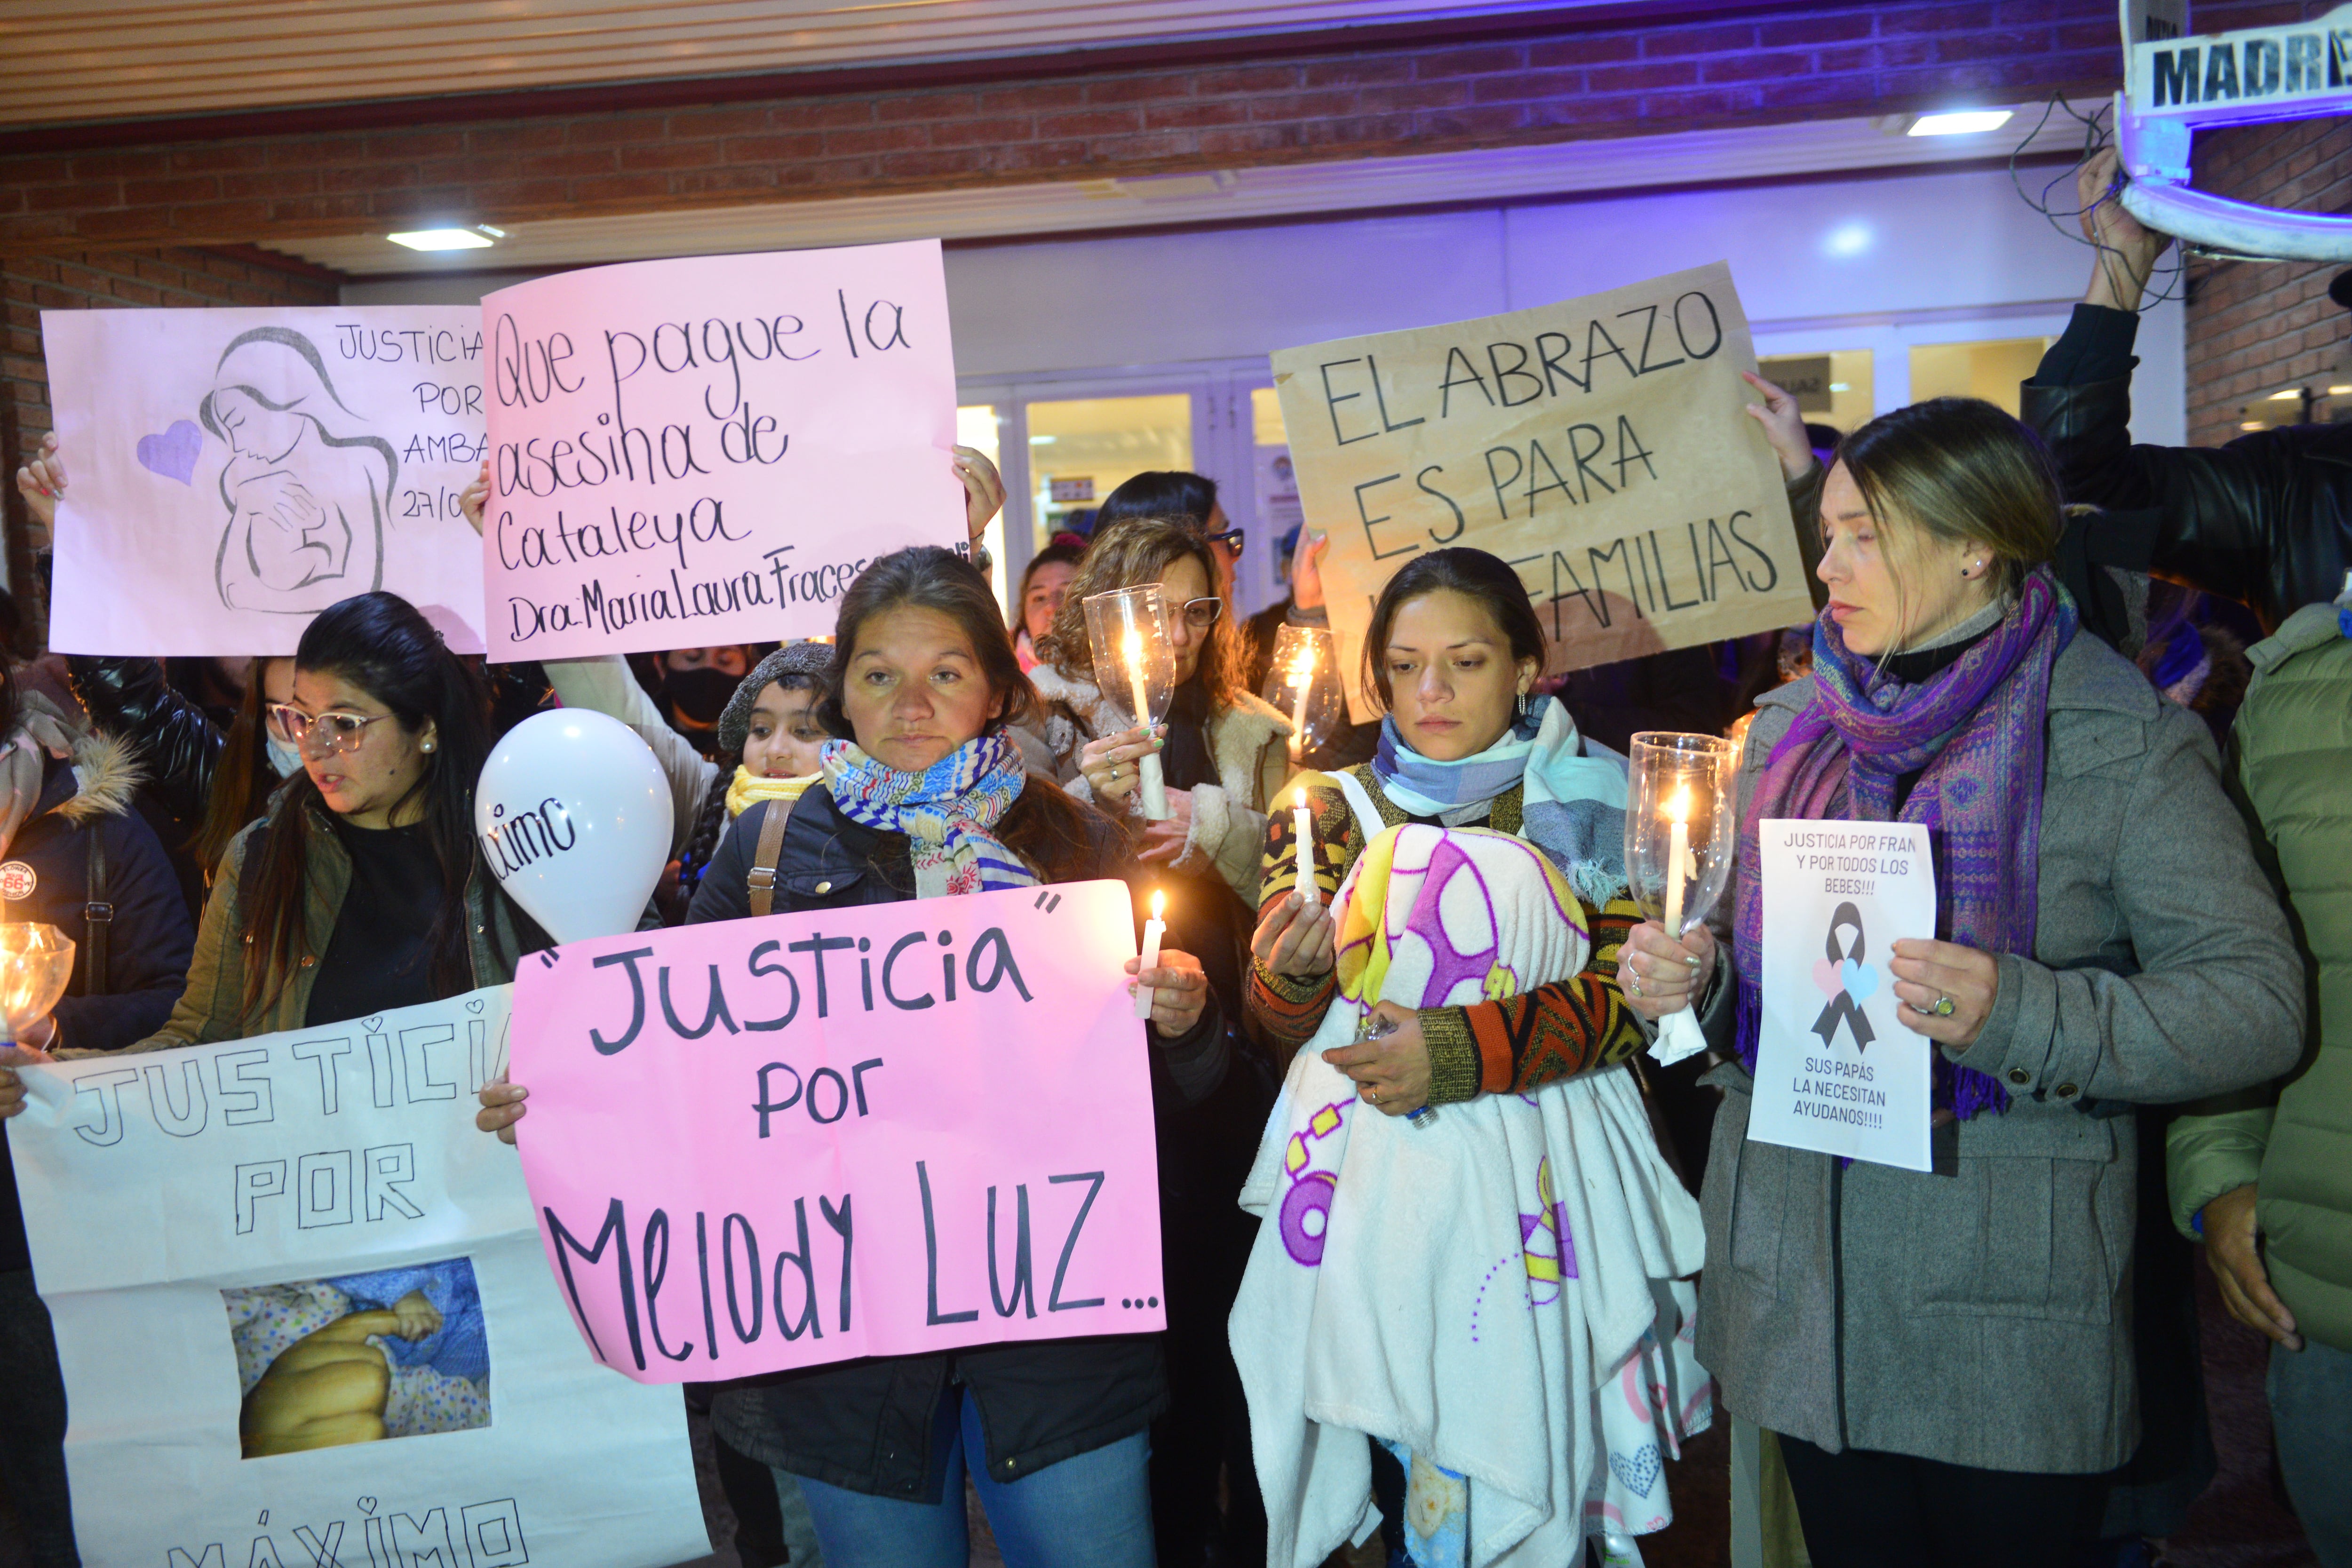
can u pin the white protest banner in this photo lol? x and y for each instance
(234, 472)
(1600, 446)
(1836, 1070)
(710, 449)
(768, 1143)
(303, 1317)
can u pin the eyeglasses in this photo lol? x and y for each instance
(332, 732)
(1201, 614)
(1230, 541)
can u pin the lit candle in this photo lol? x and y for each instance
(1150, 783)
(1153, 929)
(1133, 648)
(1678, 867)
(1302, 828)
(1302, 675)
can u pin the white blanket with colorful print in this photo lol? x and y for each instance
(1500, 1294)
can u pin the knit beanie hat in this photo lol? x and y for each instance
(814, 660)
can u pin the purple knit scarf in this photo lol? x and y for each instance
(1977, 728)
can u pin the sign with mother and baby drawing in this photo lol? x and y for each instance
(304, 1320)
(233, 472)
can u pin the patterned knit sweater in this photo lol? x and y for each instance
(1514, 1045)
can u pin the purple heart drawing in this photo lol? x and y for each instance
(174, 453)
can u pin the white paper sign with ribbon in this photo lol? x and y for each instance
(1837, 1071)
(304, 1318)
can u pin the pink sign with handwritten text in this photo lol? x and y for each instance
(771, 1144)
(710, 449)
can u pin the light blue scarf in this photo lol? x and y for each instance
(1573, 808)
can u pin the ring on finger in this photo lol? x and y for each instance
(1943, 1007)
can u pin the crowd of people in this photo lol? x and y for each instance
(2134, 1001)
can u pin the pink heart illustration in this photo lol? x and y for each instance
(1826, 976)
(174, 453)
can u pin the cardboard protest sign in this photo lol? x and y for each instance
(303, 1316)
(1600, 446)
(710, 449)
(1837, 1071)
(768, 1143)
(234, 472)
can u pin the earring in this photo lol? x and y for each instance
(426, 747)
(1523, 704)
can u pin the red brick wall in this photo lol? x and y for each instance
(1067, 120)
(2256, 328)
(31, 284)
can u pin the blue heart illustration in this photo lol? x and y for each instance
(1638, 1473)
(174, 453)
(1861, 980)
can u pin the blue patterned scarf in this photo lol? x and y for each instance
(949, 810)
(1976, 733)
(1573, 808)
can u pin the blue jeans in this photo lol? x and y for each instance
(2310, 1390)
(1091, 1511)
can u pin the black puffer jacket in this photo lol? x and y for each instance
(2266, 520)
(868, 1425)
(85, 804)
(176, 746)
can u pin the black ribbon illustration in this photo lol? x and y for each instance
(1843, 1007)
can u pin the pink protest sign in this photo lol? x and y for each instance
(710, 449)
(762, 1144)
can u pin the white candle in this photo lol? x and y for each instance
(1153, 929)
(1678, 866)
(1150, 783)
(1302, 829)
(1133, 648)
(1303, 674)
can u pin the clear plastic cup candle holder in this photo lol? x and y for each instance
(1304, 684)
(35, 964)
(1681, 825)
(1135, 670)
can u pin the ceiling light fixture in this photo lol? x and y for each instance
(1960, 121)
(441, 239)
(2287, 397)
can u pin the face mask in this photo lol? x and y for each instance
(285, 758)
(699, 694)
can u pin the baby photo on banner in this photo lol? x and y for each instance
(233, 472)
(710, 449)
(303, 1316)
(1601, 446)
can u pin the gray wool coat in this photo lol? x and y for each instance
(1980, 1314)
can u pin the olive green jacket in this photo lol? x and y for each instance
(2292, 776)
(213, 1007)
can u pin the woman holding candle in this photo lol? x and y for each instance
(1222, 756)
(1224, 752)
(1453, 650)
(69, 836)
(2083, 847)
(927, 798)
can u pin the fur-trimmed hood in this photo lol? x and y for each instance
(102, 775)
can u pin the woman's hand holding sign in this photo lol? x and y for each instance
(1946, 990)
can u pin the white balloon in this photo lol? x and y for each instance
(573, 815)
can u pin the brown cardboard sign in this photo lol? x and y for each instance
(1601, 446)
